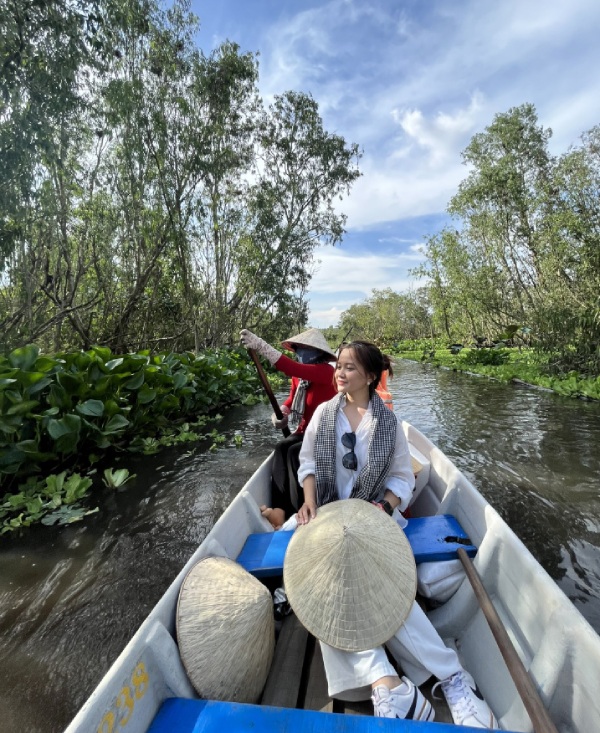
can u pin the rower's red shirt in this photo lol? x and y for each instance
(321, 389)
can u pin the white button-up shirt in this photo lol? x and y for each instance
(400, 480)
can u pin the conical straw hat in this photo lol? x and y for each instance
(350, 575)
(313, 338)
(225, 630)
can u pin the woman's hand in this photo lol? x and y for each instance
(285, 411)
(252, 341)
(307, 511)
(275, 516)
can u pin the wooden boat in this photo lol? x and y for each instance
(557, 646)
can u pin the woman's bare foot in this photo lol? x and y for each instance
(275, 516)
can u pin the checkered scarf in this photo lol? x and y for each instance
(370, 482)
(298, 404)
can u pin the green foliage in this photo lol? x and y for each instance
(53, 500)
(67, 515)
(387, 317)
(147, 446)
(149, 197)
(525, 248)
(72, 407)
(115, 478)
(217, 439)
(489, 357)
(504, 364)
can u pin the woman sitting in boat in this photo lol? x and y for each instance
(354, 447)
(312, 383)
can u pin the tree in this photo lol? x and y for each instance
(54, 53)
(301, 169)
(502, 204)
(387, 317)
(527, 248)
(569, 319)
(49, 51)
(489, 271)
(162, 204)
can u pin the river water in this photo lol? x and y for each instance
(70, 598)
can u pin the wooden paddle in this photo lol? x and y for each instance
(267, 387)
(542, 723)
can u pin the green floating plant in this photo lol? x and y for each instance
(53, 500)
(68, 515)
(115, 478)
(71, 409)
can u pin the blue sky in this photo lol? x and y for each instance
(411, 82)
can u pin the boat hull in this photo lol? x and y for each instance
(556, 644)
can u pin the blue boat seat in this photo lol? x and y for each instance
(208, 716)
(437, 538)
(263, 553)
(431, 538)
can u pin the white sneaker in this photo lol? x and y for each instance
(404, 701)
(465, 701)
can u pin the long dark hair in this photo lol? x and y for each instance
(371, 359)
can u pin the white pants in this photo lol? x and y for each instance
(416, 646)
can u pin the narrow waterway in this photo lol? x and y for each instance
(533, 454)
(71, 598)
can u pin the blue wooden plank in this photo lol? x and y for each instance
(177, 714)
(437, 538)
(263, 553)
(202, 716)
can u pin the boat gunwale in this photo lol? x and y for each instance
(447, 489)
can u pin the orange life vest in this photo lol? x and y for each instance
(382, 391)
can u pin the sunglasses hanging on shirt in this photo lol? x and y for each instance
(349, 459)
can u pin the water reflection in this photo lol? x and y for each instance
(534, 455)
(71, 598)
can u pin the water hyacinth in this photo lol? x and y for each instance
(71, 409)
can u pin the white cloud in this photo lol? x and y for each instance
(421, 175)
(390, 191)
(338, 271)
(411, 85)
(326, 317)
(393, 240)
(581, 105)
(297, 49)
(442, 134)
(350, 278)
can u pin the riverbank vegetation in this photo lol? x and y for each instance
(151, 205)
(150, 199)
(526, 253)
(63, 416)
(520, 365)
(516, 279)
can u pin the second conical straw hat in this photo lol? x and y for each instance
(312, 338)
(350, 575)
(225, 630)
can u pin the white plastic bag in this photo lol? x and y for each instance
(439, 580)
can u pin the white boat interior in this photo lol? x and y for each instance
(556, 644)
